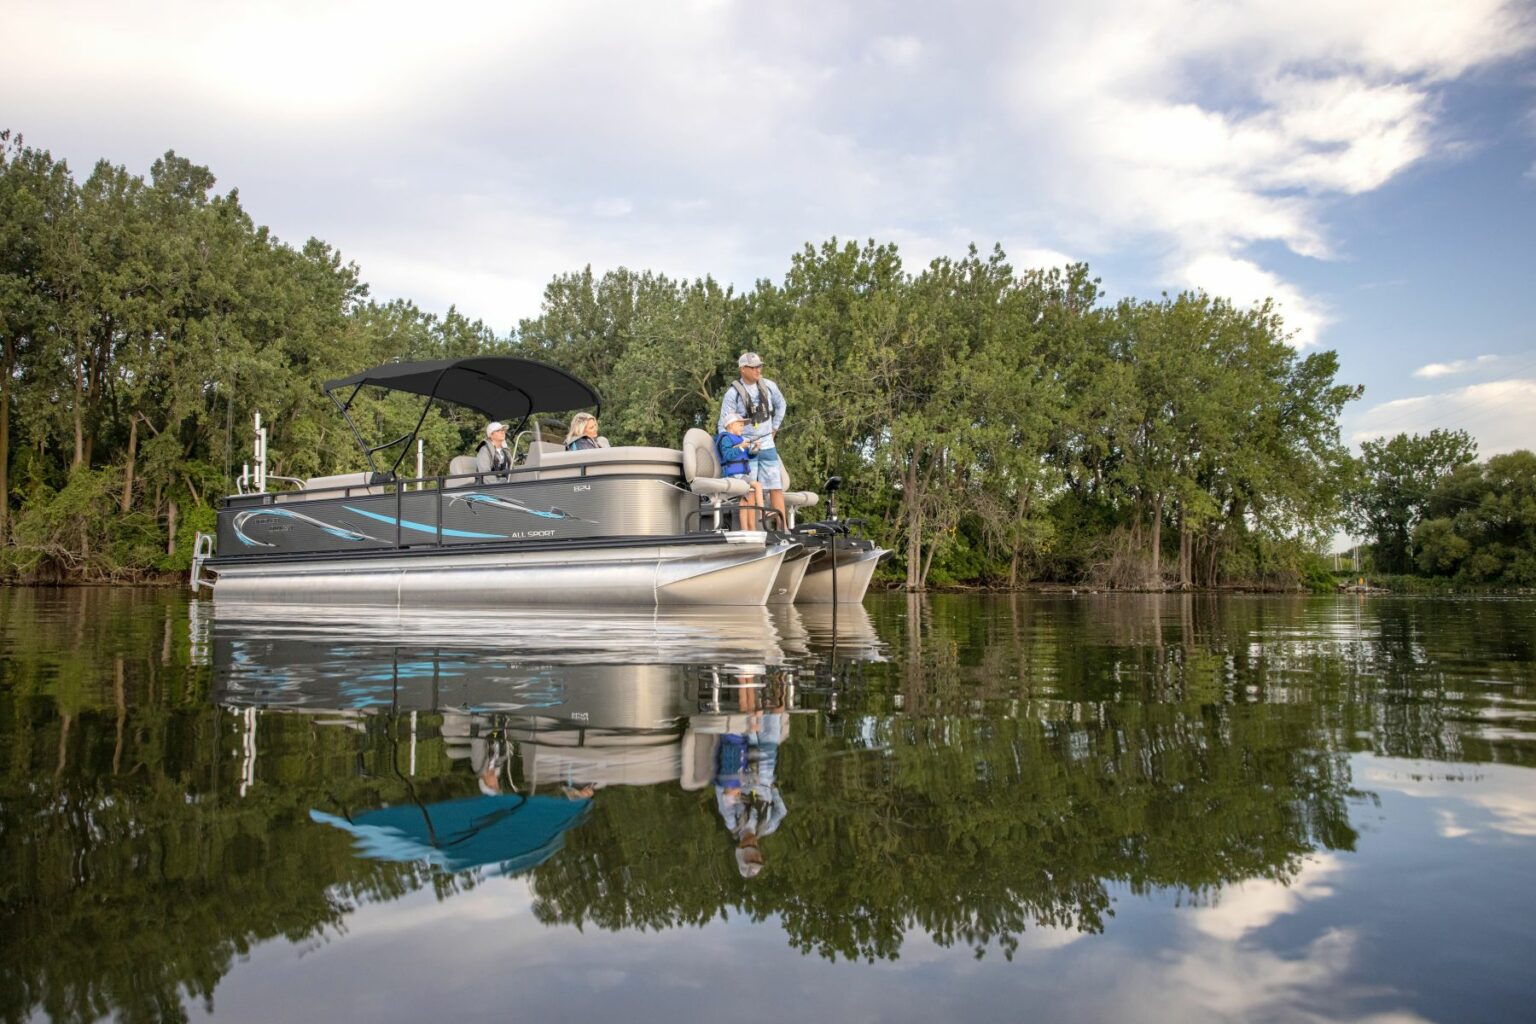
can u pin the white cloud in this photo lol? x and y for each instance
(615, 207)
(1450, 827)
(1246, 283)
(1249, 906)
(898, 51)
(1222, 970)
(527, 140)
(1213, 129)
(1432, 370)
(1493, 798)
(1026, 257)
(1500, 415)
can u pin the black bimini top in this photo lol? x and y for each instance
(501, 387)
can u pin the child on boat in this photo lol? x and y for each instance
(735, 461)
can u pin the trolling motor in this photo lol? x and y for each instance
(831, 486)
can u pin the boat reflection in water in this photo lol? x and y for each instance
(542, 709)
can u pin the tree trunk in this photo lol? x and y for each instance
(1184, 553)
(133, 450)
(5, 442)
(170, 529)
(1157, 541)
(79, 413)
(914, 673)
(1022, 510)
(914, 505)
(65, 722)
(96, 385)
(120, 698)
(915, 554)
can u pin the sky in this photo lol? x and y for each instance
(1371, 166)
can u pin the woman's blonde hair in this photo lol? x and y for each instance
(578, 426)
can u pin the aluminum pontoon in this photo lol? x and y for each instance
(613, 526)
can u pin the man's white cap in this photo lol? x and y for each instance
(750, 359)
(749, 861)
(493, 426)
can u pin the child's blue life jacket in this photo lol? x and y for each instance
(733, 458)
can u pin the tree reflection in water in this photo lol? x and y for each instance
(964, 768)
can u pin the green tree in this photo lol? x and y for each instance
(1397, 478)
(35, 193)
(1480, 523)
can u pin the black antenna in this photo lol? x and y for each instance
(832, 484)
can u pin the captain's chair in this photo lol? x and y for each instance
(535, 456)
(701, 468)
(538, 449)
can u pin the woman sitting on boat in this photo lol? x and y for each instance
(583, 433)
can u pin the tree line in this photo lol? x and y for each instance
(1431, 509)
(994, 425)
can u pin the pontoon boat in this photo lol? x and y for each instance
(612, 526)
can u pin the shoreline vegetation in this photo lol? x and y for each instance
(998, 428)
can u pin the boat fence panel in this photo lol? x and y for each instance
(565, 509)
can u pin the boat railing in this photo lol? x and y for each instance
(243, 480)
(557, 466)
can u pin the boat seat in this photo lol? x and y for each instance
(698, 752)
(463, 465)
(537, 453)
(701, 741)
(537, 450)
(629, 460)
(701, 469)
(602, 765)
(358, 482)
(796, 500)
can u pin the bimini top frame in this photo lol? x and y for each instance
(501, 387)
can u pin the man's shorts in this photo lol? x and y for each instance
(768, 470)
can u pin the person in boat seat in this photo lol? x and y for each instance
(759, 402)
(736, 461)
(493, 455)
(583, 433)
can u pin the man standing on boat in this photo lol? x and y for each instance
(758, 400)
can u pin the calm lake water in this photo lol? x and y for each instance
(1035, 807)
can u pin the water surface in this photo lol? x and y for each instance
(1096, 808)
